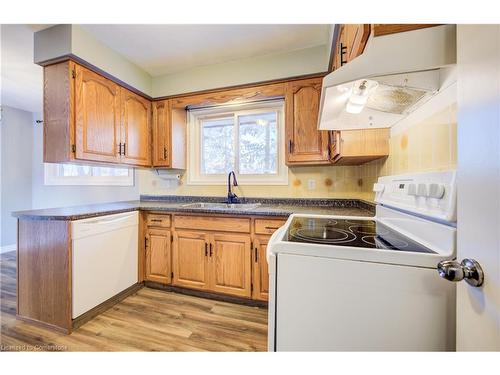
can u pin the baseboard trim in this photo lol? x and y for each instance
(8, 248)
(208, 295)
(43, 324)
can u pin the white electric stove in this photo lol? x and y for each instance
(368, 283)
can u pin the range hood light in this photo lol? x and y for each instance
(359, 95)
(354, 108)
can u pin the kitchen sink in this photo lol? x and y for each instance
(221, 206)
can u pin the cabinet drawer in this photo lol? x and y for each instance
(222, 224)
(162, 221)
(267, 226)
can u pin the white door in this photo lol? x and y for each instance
(478, 309)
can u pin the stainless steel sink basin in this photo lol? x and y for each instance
(221, 206)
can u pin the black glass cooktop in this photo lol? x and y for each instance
(355, 233)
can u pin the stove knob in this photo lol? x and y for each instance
(422, 190)
(436, 191)
(412, 189)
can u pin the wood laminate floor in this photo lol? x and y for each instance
(149, 320)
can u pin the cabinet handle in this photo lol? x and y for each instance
(206, 249)
(124, 145)
(164, 153)
(343, 51)
(120, 148)
(256, 255)
(210, 249)
(290, 146)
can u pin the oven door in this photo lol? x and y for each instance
(327, 304)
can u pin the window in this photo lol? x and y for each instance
(75, 174)
(244, 138)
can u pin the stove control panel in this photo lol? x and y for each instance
(431, 194)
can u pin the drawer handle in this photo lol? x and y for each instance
(267, 227)
(157, 220)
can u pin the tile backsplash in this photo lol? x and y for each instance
(329, 182)
(430, 145)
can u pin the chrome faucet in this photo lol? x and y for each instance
(231, 197)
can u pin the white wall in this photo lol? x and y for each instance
(16, 149)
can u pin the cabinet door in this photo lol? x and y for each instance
(190, 259)
(230, 264)
(97, 117)
(161, 134)
(260, 269)
(158, 256)
(356, 38)
(135, 129)
(305, 144)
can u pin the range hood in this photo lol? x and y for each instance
(395, 75)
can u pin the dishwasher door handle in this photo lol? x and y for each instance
(105, 221)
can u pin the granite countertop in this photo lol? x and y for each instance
(267, 207)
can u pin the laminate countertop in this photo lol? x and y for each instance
(179, 204)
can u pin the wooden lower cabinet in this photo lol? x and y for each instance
(216, 262)
(158, 256)
(230, 264)
(260, 269)
(210, 260)
(190, 259)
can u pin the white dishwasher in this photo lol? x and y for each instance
(104, 259)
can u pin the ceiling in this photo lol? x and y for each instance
(165, 49)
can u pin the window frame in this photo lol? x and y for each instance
(52, 177)
(195, 154)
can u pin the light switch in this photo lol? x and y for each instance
(311, 184)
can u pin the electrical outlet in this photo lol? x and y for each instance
(311, 184)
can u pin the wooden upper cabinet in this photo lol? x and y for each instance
(88, 117)
(230, 264)
(169, 135)
(158, 256)
(354, 147)
(161, 134)
(356, 36)
(305, 144)
(97, 117)
(381, 29)
(350, 43)
(135, 129)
